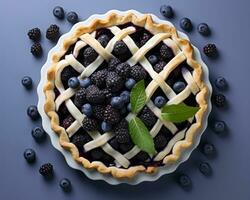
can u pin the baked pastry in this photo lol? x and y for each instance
(96, 115)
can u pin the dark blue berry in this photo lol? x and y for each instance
(219, 126)
(129, 107)
(160, 101)
(33, 113)
(103, 39)
(205, 168)
(105, 126)
(72, 17)
(208, 149)
(58, 12)
(85, 82)
(117, 102)
(152, 59)
(219, 100)
(65, 184)
(179, 86)
(203, 29)
(27, 82)
(186, 24)
(221, 83)
(29, 155)
(125, 95)
(130, 83)
(123, 111)
(73, 83)
(38, 134)
(167, 11)
(184, 181)
(87, 109)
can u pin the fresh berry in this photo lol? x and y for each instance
(80, 97)
(123, 111)
(89, 124)
(72, 17)
(219, 126)
(148, 117)
(103, 39)
(67, 73)
(98, 111)
(122, 136)
(142, 156)
(120, 48)
(160, 101)
(125, 95)
(114, 82)
(85, 82)
(58, 12)
(38, 134)
(129, 107)
(117, 102)
(89, 54)
(158, 67)
(125, 147)
(80, 139)
(111, 115)
(160, 141)
(73, 83)
(144, 38)
(208, 149)
(179, 86)
(53, 32)
(205, 168)
(29, 155)
(166, 52)
(113, 62)
(68, 121)
(123, 124)
(27, 82)
(210, 50)
(36, 49)
(138, 73)
(221, 83)
(96, 154)
(184, 181)
(46, 170)
(203, 29)
(63, 110)
(167, 11)
(65, 184)
(107, 93)
(219, 100)
(34, 34)
(87, 109)
(186, 24)
(105, 127)
(129, 84)
(99, 78)
(33, 113)
(94, 95)
(153, 59)
(123, 70)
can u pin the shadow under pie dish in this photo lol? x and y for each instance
(109, 52)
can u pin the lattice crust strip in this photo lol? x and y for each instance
(158, 80)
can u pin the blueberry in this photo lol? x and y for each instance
(186, 24)
(38, 134)
(123, 110)
(219, 126)
(129, 107)
(29, 155)
(105, 126)
(205, 168)
(221, 83)
(160, 101)
(65, 184)
(125, 95)
(117, 102)
(87, 109)
(32, 112)
(184, 181)
(152, 59)
(203, 29)
(73, 83)
(72, 17)
(179, 86)
(85, 82)
(167, 11)
(208, 149)
(58, 12)
(130, 83)
(27, 82)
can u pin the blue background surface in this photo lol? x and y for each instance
(229, 21)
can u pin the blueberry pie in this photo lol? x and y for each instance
(125, 95)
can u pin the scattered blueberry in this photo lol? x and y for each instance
(160, 101)
(65, 184)
(221, 83)
(87, 109)
(152, 59)
(85, 82)
(219, 126)
(208, 149)
(184, 181)
(72, 17)
(58, 12)
(105, 127)
(179, 86)
(27, 82)
(117, 102)
(205, 168)
(32, 112)
(125, 95)
(129, 107)
(186, 24)
(73, 83)
(219, 100)
(130, 83)
(38, 134)
(203, 29)
(167, 11)
(29, 155)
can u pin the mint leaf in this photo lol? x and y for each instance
(141, 136)
(178, 113)
(138, 97)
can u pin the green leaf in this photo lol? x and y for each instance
(138, 97)
(141, 136)
(178, 113)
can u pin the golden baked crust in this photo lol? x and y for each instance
(147, 22)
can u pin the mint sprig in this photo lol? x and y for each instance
(138, 97)
(141, 136)
(178, 113)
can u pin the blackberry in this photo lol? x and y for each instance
(166, 52)
(113, 62)
(123, 69)
(99, 78)
(96, 154)
(142, 156)
(52, 32)
(63, 110)
(98, 112)
(144, 38)
(89, 54)
(126, 147)
(68, 121)
(67, 73)
(219, 100)
(120, 48)
(158, 67)
(94, 95)
(138, 73)
(36, 49)
(80, 97)
(148, 117)
(103, 39)
(160, 142)
(80, 139)
(111, 115)
(107, 93)
(89, 124)
(46, 170)
(210, 50)
(114, 82)
(123, 124)
(34, 34)
(122, 136)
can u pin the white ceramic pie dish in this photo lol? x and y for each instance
(92, 174)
